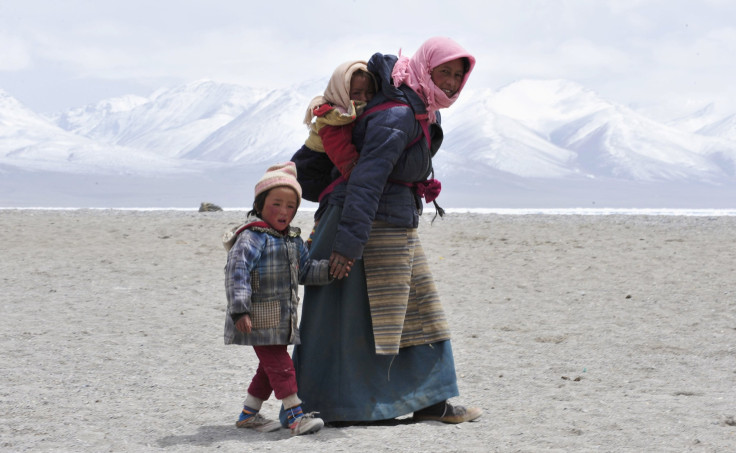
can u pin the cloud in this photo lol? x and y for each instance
(14, 54)
(623, 48)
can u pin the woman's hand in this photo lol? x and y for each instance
(340, 265)
(244, 324)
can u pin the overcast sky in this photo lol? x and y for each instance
(663, 55)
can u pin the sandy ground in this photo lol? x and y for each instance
(573, 333)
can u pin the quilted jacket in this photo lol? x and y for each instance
(264, 268)
(379, 186)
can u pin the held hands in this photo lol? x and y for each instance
(244, 324)
(340, 265)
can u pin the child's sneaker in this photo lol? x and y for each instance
(306, 424)
(259, 423)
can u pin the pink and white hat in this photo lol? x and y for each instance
(279, 175)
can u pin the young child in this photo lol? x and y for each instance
(330, 120)
(266, 261)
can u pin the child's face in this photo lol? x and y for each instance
(280, 207)
(449, 76)
(361, 88)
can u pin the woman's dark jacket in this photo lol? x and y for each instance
(379, 186)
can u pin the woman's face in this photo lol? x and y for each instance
(280, 207)
(449, 76)
(361, 88)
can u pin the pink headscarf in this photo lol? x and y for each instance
(416, 71)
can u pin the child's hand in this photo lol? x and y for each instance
(244, 324)
(340, 265)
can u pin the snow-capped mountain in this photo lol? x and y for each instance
(31, 142)
(200, 121)
(609, 139)
(543, 142)
(723, 128)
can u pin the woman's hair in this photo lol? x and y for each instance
(466, 64)
(258, 204)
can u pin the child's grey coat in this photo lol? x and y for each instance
(263, 271)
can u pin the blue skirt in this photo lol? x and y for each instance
(338, 371)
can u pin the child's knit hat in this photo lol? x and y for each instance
(280, 175)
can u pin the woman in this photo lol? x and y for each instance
(375, 345)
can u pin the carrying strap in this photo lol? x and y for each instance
(423, 118)
(430, 189)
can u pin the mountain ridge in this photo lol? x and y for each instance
(530, 134)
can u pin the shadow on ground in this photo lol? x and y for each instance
(214, 434)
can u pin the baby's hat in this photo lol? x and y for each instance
(280, 175)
